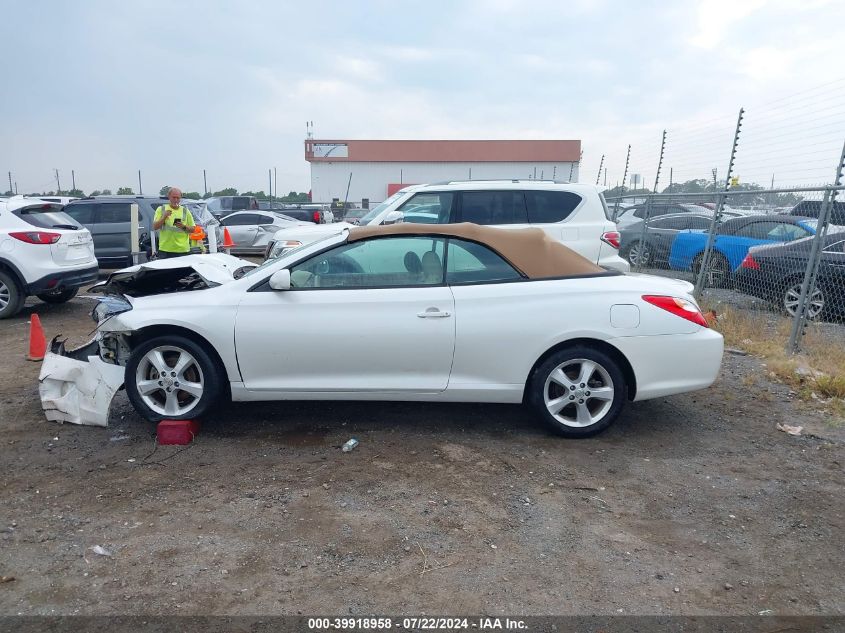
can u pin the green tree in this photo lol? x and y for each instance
(9, 193)
(192, 195)
(228, 191)
(125, 191)
(105, 192)
(164, 190)
(96, 192)
(76, 193)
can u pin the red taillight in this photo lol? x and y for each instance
(37, 237)
(750, 262)
(316, 217)
(611, 237)
(679, 307)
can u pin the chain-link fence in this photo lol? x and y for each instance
(777, 255)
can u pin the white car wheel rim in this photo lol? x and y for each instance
(792, 298)
(5, 295)
(169, 381)
(578, 393)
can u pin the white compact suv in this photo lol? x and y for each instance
(43, 252)
(575, 214)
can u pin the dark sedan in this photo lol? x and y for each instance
(653, 247)
(775, 273)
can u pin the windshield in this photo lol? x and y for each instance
(376, 210)
(274, 260)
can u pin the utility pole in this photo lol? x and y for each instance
(276, 182)
(10, 182)
(140, 188)
(58, 184)
(73, 179)
(270, 178)
(204, 184)
(671, 170)
(601, 164)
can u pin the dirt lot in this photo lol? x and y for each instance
(694, 504)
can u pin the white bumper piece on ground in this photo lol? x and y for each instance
(78, 391)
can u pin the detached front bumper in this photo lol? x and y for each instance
(78, 386)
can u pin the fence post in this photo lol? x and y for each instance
(717, 215)
(799, 322)
(638, 265)
(624, 178)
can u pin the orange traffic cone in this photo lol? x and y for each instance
(227, 239)
(37, 340)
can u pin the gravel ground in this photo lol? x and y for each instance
(693, 504)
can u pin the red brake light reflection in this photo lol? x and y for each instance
(611, 237)
(37, 237)
(749, 262)
(679, 307)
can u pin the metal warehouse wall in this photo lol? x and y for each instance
(370, 180)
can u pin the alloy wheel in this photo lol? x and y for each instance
(169, 381)
(578, 392)
(5, 295)
(639, 254)
(792, 299)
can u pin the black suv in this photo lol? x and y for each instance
(107, 217)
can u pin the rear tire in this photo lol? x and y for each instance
(638, 254)
(11, 296)
(61, 296)
(172, 378)
(718, 273)
(578, 391)
(790, 298)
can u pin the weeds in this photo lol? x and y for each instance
(816, 373)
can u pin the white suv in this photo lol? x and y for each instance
(43, 252)
(574, 214)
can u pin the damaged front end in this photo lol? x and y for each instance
(78, 385)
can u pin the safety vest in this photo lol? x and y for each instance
(172, 239)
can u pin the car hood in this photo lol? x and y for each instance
(178, 274)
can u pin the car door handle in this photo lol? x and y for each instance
(433, 313)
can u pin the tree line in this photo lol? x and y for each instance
(293, 196)
(703, 186)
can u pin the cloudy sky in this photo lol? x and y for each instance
(173, 88)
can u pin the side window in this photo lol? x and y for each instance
(699, 223)
(113, 212)
(836, 247)
(82, 212)
(226, 204)
(263, 219)
(663, 223)
(787, 233)
(240, 203)
(493, 207)
(429, 207)
(239, 219)
(469, 262)
(756, 230)
(375, 263)
(547, 207)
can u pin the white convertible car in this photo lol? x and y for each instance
(449, 313)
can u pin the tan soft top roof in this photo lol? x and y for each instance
(531, 251)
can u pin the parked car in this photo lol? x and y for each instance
(221, 206)
(354, 214)
(812, 209)
(733, 239)
(43, 253)
(638, 211)
(251, 231)
(108, 219)
(63, 200)
(316, 213)
(574, 214)
(439, 313)
(660, 235)
(776, 272)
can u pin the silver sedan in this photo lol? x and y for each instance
(252, 230)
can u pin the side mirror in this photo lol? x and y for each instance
(280, 280)
(393, 217)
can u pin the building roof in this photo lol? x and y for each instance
(373, 151)
(531, 251)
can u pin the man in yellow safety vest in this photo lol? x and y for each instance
(174, 224)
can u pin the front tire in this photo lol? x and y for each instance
(638, 254)
(172, 378)
(60, 296)
(578, 391)
(11, 297)
(791, 298)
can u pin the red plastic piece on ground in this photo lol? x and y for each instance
(37, 340)
(177, 431)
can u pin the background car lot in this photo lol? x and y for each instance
(263, 511)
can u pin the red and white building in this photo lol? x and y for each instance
(378, 168)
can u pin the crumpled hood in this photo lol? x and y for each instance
(178, 274)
